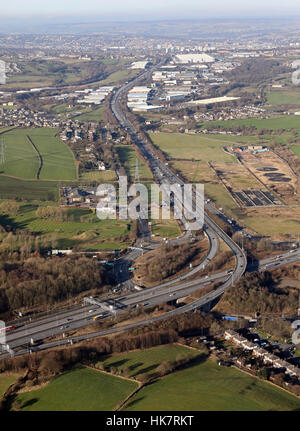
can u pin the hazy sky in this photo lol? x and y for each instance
(122, 9)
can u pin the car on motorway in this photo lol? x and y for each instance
(145, 303)
(172, 294)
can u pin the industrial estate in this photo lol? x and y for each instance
(113, 314)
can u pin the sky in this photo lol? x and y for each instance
(153, 9)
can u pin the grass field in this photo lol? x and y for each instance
(295, 149)
(275, 222)
(128, 158)
(83, 229)
(180, 146)
(6, 380)
(42, 73)
(4, 129)
(28, 190)
(58, 159)
(165, 228)
(200, 172)
(206, 386)
(283, 96)
(101, 176)
(92, 115)
(64, 110)
(146, 361)
(22, 159)
(81, 389)
(120, 75)
(276, 123)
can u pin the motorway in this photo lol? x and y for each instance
(66, 321)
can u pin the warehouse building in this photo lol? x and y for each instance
(193, 58)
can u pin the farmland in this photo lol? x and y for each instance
(199, 172)
(101, 176)
(92, 115)
(202, 385)
(283, 96)
(179, 146)
(80, 228)
(28, 190)
(206, 386)
(43, 73)
(120, 75)
(80, 389)
(128, 158)
(276, 123)
(58, 162)
(274, 222)
(21, 157)
(146, 361)
(37, 153)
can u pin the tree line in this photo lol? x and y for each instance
(36, 281)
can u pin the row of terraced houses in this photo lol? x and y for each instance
(267, 357)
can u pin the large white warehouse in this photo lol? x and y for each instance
(193, 58)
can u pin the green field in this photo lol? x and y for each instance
(23, 160)
(82, 229)
(146, 361)
(128, 158)
(206, 386)
(6, 380)
(180, 146)
(65, 110)
(81, 389)
(200, 386)
(58, 159)
(165, 228)
(28, 190)
(101, 176)
(283, 96)
(120, 75)
(295, 149)
(276, 123)
(92, 115)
